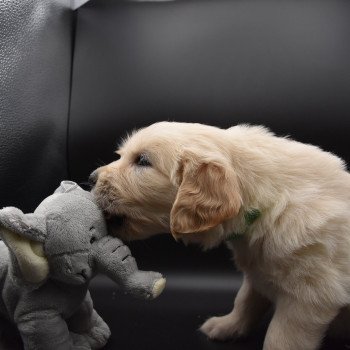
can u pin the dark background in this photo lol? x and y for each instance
(73, 83)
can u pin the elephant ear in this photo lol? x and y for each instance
(24, 234)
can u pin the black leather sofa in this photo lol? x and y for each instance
(73, 82)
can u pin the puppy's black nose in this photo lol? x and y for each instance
(93, 178)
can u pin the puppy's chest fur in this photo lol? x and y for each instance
(317, 271)
(250, 261)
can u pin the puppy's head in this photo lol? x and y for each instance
(168, 180)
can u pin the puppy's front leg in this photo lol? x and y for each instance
(248, 309)
(297, 325)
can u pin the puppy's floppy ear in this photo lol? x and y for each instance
(208, 193)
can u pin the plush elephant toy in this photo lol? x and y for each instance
(47, 259)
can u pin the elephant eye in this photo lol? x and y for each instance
(92, 239)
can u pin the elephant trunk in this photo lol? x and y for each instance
(113, 259)
(145, 284)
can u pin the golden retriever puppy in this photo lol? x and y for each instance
(283, 207)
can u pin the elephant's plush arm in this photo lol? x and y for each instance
(46, 329)
(87, 322)
(113, 258)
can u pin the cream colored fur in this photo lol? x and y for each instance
(201, 181)
(30, 256)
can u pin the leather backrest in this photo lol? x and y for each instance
(35, 65)
(284, 64)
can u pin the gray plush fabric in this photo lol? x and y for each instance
(57, 312)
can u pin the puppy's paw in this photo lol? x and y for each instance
(221, 328)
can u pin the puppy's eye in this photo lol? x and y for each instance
(142, 160)
(92, 239)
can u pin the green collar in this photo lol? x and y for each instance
(250, 216)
